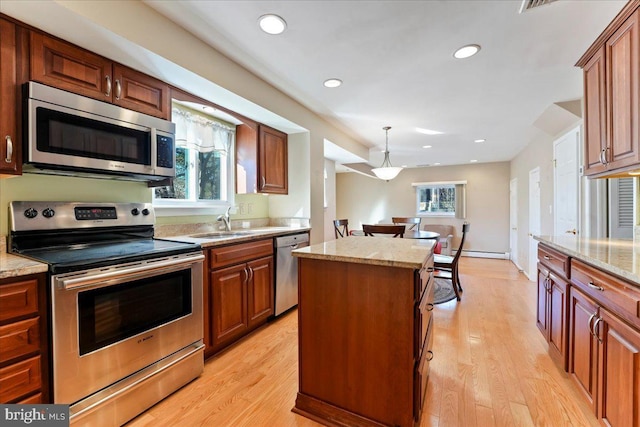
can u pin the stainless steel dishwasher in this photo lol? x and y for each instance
(287, 270)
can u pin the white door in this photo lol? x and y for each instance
(513, 221)
(565, 183)
(534, 221)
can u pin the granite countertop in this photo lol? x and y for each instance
(386, 251)
(615, 256)
(237, 235)
(14, 266)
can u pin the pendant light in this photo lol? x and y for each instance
(386, 171)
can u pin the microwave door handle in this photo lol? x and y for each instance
(154, 150)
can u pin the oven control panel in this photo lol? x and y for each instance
(27, 216)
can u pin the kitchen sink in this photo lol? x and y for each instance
(220, 234)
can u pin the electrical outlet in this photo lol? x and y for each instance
(249, 208)
(241, 208)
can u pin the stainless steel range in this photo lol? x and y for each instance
(126, 308)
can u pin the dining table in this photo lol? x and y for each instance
(408, 234)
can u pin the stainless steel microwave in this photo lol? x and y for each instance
(71, 134)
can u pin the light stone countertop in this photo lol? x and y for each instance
(14, 266)
(386, 251)
(241, 235)
(616, 256)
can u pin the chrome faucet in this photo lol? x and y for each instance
(226, 219)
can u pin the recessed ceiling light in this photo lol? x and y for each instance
(466, 51)
(436, 164)
(272, 24)
(473, 161)
(428, 131)
(404, 166)
(332, 83)
(426, 146)
(479, 140)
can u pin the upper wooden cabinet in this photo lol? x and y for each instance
(68, 67)
(261, 160)
(10, 147)
(611, 97)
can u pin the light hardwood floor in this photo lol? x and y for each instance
(490, 368)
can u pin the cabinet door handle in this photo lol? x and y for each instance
(263, 182)
(246, 275)
(589, 323)
(547, 257)
(430, 306)
(595, 329)
(108, 79)
(430, 269)
(594, 286)
(429, 355)
(250, 276)
(118, 89)
(9, 148)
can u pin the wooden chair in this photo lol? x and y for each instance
(341, 227)
(446, 266)
(373, 229)
(414, 221)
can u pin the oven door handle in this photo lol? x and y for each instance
(128, 273)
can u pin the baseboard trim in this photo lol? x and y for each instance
(483, 254)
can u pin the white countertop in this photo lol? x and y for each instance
(387, 251)
(616, 256)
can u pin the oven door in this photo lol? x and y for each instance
(109, 323)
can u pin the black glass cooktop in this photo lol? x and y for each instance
(62, 259)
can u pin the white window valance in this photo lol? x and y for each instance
(197, 132)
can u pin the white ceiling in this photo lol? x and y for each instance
(395, 58)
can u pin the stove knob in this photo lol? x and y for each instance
(31, 213)
(145, 212)
(135, 211)
(48, 213)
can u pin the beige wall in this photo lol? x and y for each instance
(330, 195)
(539, 153)
(366, 200)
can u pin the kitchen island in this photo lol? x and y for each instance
(365, 330)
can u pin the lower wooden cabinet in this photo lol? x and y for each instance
(552, 313)
(239, 292)
(618, 371)
(605, 361)
(23, 345)
(583, 345)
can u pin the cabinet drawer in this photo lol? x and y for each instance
(554, 260)
(20, 379)
(424, 277)
(423, 316)
(20, 338)
(18, 299)
(241, 252)
(421, 375)
(617, 295)
(36, 398)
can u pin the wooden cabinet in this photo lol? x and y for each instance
(611, 69)
(365, 342)
(261, 160)
(65, 66)
(583, 345)
(23, 343)
(605, 344)
(10, 135)
(552, 305)
(240, 291)
(619, 371)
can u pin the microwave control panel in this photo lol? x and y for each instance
(165, 150)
